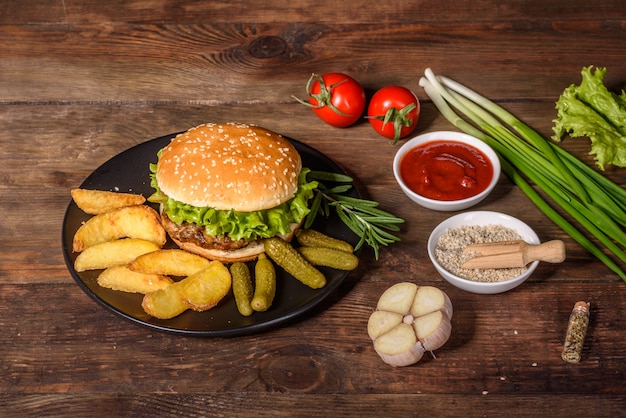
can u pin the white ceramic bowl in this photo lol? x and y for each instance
(446, 205)
(482, 218)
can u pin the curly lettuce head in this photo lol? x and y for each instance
(591, 110)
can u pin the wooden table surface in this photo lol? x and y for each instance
(82, 81)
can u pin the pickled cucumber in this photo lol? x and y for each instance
(242, 287)
(264, 284)
(313, 238)
(329, 257)
(283, 254)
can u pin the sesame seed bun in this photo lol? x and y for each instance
(229, 166)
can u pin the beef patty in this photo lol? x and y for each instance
(196, 234)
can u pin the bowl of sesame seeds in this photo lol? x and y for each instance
(451, 237)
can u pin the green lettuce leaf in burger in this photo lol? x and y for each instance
(223, 188)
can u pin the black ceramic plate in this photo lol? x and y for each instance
(128, 172)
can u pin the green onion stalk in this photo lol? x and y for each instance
(539, 169)
(594, 202)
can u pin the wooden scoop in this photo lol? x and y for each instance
(509, 254)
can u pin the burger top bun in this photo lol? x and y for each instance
(229, 166)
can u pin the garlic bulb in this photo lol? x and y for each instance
(408, 321)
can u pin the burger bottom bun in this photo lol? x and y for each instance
(247, 253)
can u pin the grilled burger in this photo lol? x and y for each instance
(223, 188)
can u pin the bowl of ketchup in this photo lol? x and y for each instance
(445, 170)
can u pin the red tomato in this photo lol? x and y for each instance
(393, 112)
(336, 98)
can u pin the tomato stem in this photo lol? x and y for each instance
(399, 119)
(323, 98)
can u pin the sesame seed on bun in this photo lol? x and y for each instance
(229, 166)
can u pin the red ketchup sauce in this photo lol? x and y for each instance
(446, 170)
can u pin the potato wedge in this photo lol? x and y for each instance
(173, 262)
(125, 280)
(112, 253)
(165, 303)
(95, 202)
(139, 221)
(205, 289)
(200, 292)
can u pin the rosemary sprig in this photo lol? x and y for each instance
(363, 217)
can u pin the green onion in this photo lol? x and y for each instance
(595, 203)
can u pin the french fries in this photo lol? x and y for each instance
(122, 279)
(95, 202)
(200, 292)
(173, 262)
(112, 253)
(139, 221)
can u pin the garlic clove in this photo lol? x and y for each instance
(381, 322)
(433, 330)
(398, 298)
(408, 321)
(399, 346)
(430, 299)
(405, 358)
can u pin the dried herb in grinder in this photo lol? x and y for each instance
(576, 331)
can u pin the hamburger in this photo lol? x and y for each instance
(224, 188)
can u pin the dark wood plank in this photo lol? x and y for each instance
(241, 404)
(494, 347)
(81, 81)
(324, 11)
(211, 64)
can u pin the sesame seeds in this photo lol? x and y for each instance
(449, 251)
